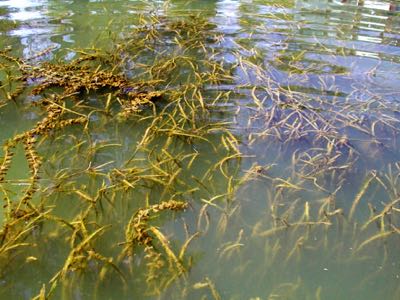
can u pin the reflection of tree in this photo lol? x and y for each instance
(205, 7)
(79, 21)
(84, 23)
(6, 25)
(32, 29)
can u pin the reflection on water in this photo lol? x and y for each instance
(35, 31)
(364, 21)
(315, 104)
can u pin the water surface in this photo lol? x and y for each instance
(314, 102)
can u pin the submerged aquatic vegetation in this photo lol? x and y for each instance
(126, 134)
(7, 25)
(177, 114)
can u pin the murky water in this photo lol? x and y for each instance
(310, 209)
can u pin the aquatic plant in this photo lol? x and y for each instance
(167, 83)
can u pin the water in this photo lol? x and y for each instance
(314, 102)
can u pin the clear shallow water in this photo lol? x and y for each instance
(336, 62)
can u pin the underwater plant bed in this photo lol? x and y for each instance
(181, 159)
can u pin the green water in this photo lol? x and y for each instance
(331, 66)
